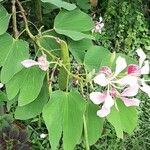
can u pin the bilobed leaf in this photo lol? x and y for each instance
(4, 20)
(74, 24)
(78, 49)
(61, 4)
(124, 120)
(12, 53)
(34, 108)
(94, 123)
(94, 57)
(28, 84)
(64, 113)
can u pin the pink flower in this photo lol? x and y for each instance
(137, 70)
(42, 63)
(110, 80)
(1, 85)
(98, 26)
(106, 99)
(130, 92)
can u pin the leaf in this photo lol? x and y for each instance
(94, 57)
(94, 123)
(27, 111)
(61, 4)
(84, 4)
(12, 53)
(74, 24)
(63, 77)
(64, 113)
(28, 84)
(124, 120)
(4, 20)
(78, 49)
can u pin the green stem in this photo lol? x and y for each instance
(15, 30)
(85, 134)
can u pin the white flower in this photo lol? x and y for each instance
(42, 63)
(42, 136)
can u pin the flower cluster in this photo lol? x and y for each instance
(125, 87)
(98, 26)
(42, 63)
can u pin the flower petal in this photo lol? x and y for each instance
(127, 80)
(106, 70)
(131, 90)
(130, 102)
(101, 79)
(29, 63)
(145, 88)
(43, 63)
(1, 85)
(134, 70)
(145, 69)
(120, 65)
(97, 97)
(109, 102)
(142, 56)
(103, 112)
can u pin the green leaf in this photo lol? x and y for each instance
(12, 53)
(29, 82)
(78, 49)
(94, 57)
(124, 120)
(64, 113)
(94, 123)
(61, 4)
(27, 111)
(4, 20)
(74, 24)
(84, 4)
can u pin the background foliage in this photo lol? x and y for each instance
(126, 28)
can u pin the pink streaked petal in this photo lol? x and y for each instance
(142, 56)
(1, 85)
(103, 112)
(43, 63)
(109, 102)
(105, 70)
(113, 92)
(146, 68)
(145, 88)
(97, 97)
(120, 65)
(134, 70)
(128, 80)
(29, 63)
(131, 90)
(130, 102)
(101, 79)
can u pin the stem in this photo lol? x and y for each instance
(15, 30)
(85, 134)
(25, 20)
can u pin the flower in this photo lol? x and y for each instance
(106, 78)
(1, 85)
(98, 25)
(142, 69)
(42, 136)
(42, 63)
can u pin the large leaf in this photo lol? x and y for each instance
(4, 20)
(29, 82)
(94, 123)
(61, 4)
(74, 24)
(124, 120)
(27, 111)
(78, 49)
(94, 57)
(64, 113)
(12, 53)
